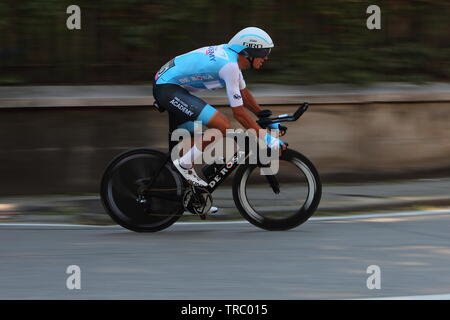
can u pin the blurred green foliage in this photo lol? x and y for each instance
(126, 41)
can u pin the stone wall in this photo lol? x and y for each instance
(65, 150)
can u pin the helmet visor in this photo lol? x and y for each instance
(258, 52)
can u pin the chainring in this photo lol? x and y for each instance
(197, 200)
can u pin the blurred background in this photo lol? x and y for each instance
(378, 131)
(126, 41)
(70, 100)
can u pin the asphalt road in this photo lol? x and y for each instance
(322, 259)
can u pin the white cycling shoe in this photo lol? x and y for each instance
(190, 175)
(213, 210)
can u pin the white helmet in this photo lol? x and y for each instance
(251, 42)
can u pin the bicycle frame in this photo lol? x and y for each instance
(227, 168)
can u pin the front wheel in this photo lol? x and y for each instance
(280, 201)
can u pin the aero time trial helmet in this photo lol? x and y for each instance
(252, 42)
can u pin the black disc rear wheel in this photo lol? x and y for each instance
(131, 198)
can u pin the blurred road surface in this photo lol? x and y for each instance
(322, 259)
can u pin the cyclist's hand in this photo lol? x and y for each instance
(283, 130)
(273, 142)
(277, 126)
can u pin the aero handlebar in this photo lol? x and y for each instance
(265, 121)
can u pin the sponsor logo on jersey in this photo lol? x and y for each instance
(182, 106)
(210, 53)
(202, 77)
(237, 96)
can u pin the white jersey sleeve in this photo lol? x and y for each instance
(242, 84)
(234, 82)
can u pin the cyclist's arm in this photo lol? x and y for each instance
(244, 118)
(235, 85)
(234, 89)
(250, 102)
(248, 122)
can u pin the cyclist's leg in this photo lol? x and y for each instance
(186, 109)
(210, 117)
(197, 145)
(219, 121)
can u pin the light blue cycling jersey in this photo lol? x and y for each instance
(206, 68)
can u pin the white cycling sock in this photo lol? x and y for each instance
(189, 158)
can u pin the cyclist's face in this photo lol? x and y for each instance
(245, 64)
(258, 62)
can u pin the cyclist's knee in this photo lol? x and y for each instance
(227, 124)
(222, 123)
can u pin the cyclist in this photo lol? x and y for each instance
(211, 68)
